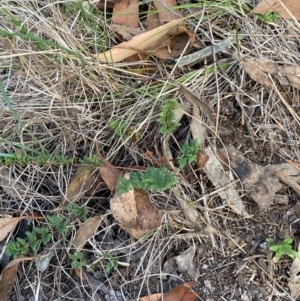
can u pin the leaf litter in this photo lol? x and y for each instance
(217, 99)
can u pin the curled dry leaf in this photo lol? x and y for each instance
(79, 185)
(258, 182)
(139, 43)
(287, 174)
(198, 129)
(223, 183)
(178, 293)
(190, 96)
(135, 213)
(289, 9)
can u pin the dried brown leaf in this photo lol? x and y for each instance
(178, 293)
(7, 224)
(286, 8)
(79, 185)
(110, 175)
(198, 129)
(7, 282)
(190, 96)
(126, 32)
(259, 183)
(86, 230)
(257, 73)
(135, 213)
(167, 10)
(137, 44)
(258, 69)
(126, 12)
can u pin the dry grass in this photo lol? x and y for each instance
(66, 100)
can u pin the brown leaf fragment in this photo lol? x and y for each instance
(178, 293)
(135, 213)
(257, 73)
(258, 69)
(110, 175)
(288, 9)
(8, 281)
(190, 96)
(152, 17)
(7, 224)
(167, 11)
(79, 185)
(287, 174)
(223, 183)
(86, 231)
(258, 182)
(198, 129)
(126, 12)
(138, 43)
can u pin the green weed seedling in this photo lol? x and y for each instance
(155, 179)
(166, 118)
(77, 260)
(79, 212)
(285, 248)
(188, 153)
(269, 17)
(59, 223)
(112, 262)
(33, 242)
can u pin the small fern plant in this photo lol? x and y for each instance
(155, 179)
(166, 118)
(188, 153)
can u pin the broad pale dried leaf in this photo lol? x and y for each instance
(258, 182)
(126, 32)
(126, 12)
(86, 230)
(7, 282)
(7, 224)
(137, 44)
(223, 183)
(9, 184)
(110, 175)
(178, 293)
(286, 8)
(287, 174)
(190, 96)
(79, 185)
(135, 213)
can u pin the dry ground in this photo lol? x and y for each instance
(59, 94)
